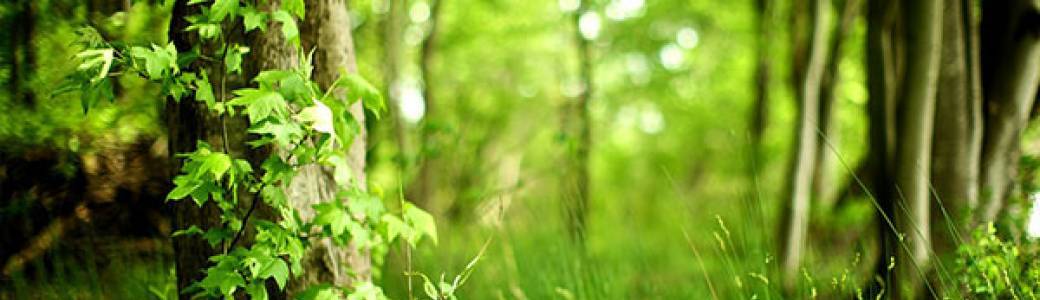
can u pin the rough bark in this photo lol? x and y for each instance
(1011, 53)
(421, 190)
(577, 128)
(958, 130)
(799, 187)
(914, 142)
(327, 30)
(187, 122)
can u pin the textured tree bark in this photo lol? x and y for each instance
(914, 142)
(576, 125)
(187, 122)
(958, 130)
(803, 164)
(421, 190)
(327, 30)
(1011, 61)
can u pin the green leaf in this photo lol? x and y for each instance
(332, 215)
(295, 7)
(233, 60)
(214, 236)
(420, 220)
(274, 268)
(158, 61)
(360, 89)
(184, 186)
(260, 104)
(96, 58)
(222, 9)
(257, 290)
(224, 279)
(193, 230)
(274, 196)
(319, 292)
(253, 19)
(216, 164)
(289, 29)
(204, 91)
(395, 227)
(281, 133)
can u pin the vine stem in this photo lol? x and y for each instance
(253, 205)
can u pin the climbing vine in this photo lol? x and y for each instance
(286, 110)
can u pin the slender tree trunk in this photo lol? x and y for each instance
(958, 130)
(824, 187)
(23, 58)
(577, 129)
(760, 110)
(914, 144)
(1011, 53)
(421, 190)
(884, 58)
(392, 28)
(327, 30)
(799, 189)
(759, 116)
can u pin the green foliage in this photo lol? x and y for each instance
(284, 112)
(992, 268)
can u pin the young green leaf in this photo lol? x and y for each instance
(260, 104)
(289, 29)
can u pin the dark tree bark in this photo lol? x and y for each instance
(187, 122)
(883, 57)
(1011, 70)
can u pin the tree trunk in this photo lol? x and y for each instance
(327, 30)
(760, 111)
(914, 144)
(187, 122)
(392, 29)
(824, 187)
(799, 189)
(575, 186)
(958, 130)
(1011, 72)
(421, 190)
(883, 57)
(23, 56)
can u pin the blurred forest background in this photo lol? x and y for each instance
(601, 149)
